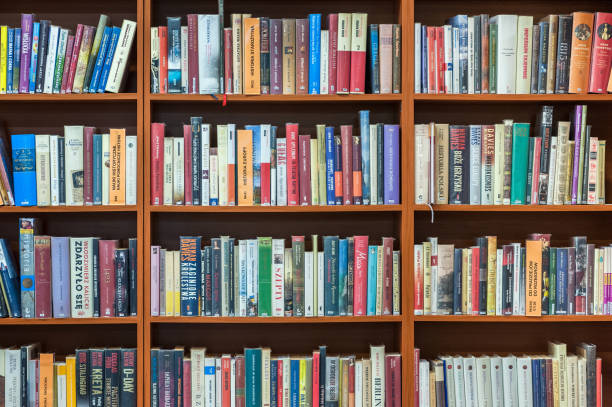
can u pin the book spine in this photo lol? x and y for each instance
(358, 53)
(346, 135)
(391, 165)
(330, 148)
(343, 57)
(276, 56)
(386, 57)
(580, 54)
(364, 130)
(264, 55)
(187, 164)
(563, 54)
(83, 58)
(332, 26)
(301, 56)
(67, 61)
(396, 64)
(95, 51)
(314, 58)
(602, 56)
(289, 52)
(121, 264)
(117, 69)
(43, 48)
(374, 62)
(291, 130)
(42, 267)
(26, 48)
(304, 163)
(92, 85)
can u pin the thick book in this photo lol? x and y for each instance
(209, 53)
(43, 169)
(60, 276)
(506, 52)
(289, 51)
(264, 257)
(523, 54)
(174, 54)
(520, 149)
(252, 66)
(601, 59)
(301, 55)
(564, 40)
(391, 171)
(118, 69)
(24, 169)
(358, 53)
(314, 58)
(580, 54)
(459, 192)
(386, 57)
(81, 259)
(42, 267)
(264, 54)
(343, 53)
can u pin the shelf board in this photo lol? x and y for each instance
(68, 321)
(514, 208)
(276, 320)
(512, 318)
(68, 209)
(276, 209)
(513, 98)
(67, 97)
(276, 98)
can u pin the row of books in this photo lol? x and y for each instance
(508, 54)
(261, 277)
(535, 279)
(502, 164)
(556, 378)
(40, 57)
(261, 55)
(67, 277)
(255, 166)
(90, 377)
(256, 378)
(78, 168)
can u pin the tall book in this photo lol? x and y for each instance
(252, 76)
(506, 52)
(580, 54)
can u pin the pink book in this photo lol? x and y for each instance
(155, 280)
(187, 382)
(192, 52)
(78, 37)
(316, 366)
(67, 59)
(188, 170)
(346, 136)
(358, 55)
(475, 279)
(386, 57)
(157, 163)
(291, 131)
(537, 151)
(332, 26)
(88, 165)
(106, 256)
(393, 379)
(228, 76)
(42, 276)
(360, 280)
(304, 154)
(279, 392)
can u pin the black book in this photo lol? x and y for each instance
(507, 278)
(3, 308)
(350, 275)
(121, 282)
(82, 377)
(28, 353)
(178, 376)
(111, 377)
(544, 131)
(232, 278)
(264, 48)
(61, 177)
(166, 377)
(482, 244)
(543, 57)
(133, 274)
(96, 378)
(43, 48)
(330, 252)
(589, 352)
(583, 199)
(196, 162)
(477, 55)
(535, 54)
(127, 397)
(459, 166)
(564, 48)
(322, 374)
(206, 282)
(216, 279)
(155, 377)
(96, 277)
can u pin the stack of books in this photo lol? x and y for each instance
(502, 164)
(258, 379)
(275, 56)
(508, 54)
(78, 168)
(67, 277)
(260, 277)
(556, 378)
(255, 166)
(41, 57)
(94, 377)
(534, 279)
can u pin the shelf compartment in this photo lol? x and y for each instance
(278, 320)
(275, 98)
(514, 208)
(276, 209)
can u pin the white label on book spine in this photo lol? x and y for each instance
(120, 59)
(73, 137)
(54, 167)
(105, 169)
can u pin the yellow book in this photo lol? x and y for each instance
(314, 171)
(3, 56)
(70, 381)
(117, 166)
(321, 163)
(251, 68)
(81, 67)
(177, 283)
(169, 282)
(491, 273)
(339, 382)
(45, 390)
(533, 273)
(303, 382)
(245, 167)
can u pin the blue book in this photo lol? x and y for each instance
(314, 65)
(457, 298)
(372, 264)
(295, 383)
(342, 276)
(330, 152)
(252, 377)
(174, 55)
(364, 129)
(154, 377)
(10, 56)
(535, 381)
(10, 280)
(34, 57)
(424, 72)
(97, 169)
(97, 72)
(391, 171)
(330, 254)
(273, 383)
(543, 382)
(256, 130)
(561, 292)
(60, 276)
(460, 21)
(16, 59)
(24, 169)
(190, 270)
(374, 67)
(109, 59)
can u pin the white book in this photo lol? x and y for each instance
(499, 282)
(358, 383)
(231, 158)
(205, 164)
(581, 382)
(12, 378)
(523, 54)
(497, 382)
(315, 276)
(154, 62)
(184, 59)
(422, 163)
(209, 383)
(61, 384)
(469, 379)
(209, 53)
(572, 380)
(81, 276)
(498, 172)
(516, 281)
(456, 77)
(432, 161)
(423, 383)
(510, 381)
(32, 377)
(178, 170)
(450, 379)
(43, 170)
(265, 153)
(54, 32)
(459, 381)
(475, 156)
(321, 284)
(222, 159)
(506, 52)
(434, 273)
(218, 382)
(252, 277)
(419, 275)
(105, 169)
(232, 383)
(470, 55)
(483, 380)
(286, 385)
(54, 168)
(73, 139)
(168, 169)
(553, 170)
(418, 51)
(131, 171)
(448, 59)
(237, 52)
(61, 53)
(265, 377)
(242, 277)
(373, 165)
(308, 285)
(278, 277)
(524, 382)
(324, 72)
(118, 67)
(281, 171)
(214, 179)
(377, 356)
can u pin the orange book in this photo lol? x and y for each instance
(244, 161)
(580, 60)
(610, 82)
(252, 74)
(533, 274)
(45, 391)
(117, 167)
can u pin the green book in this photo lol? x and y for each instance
(492, 58)
(552, 275)
(520, 152)
(95, 48)
(297, 251)
(252, 377)
(530, 170)
(265, 276)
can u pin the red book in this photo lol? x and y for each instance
(192, 53)
(106, 256)
(357, 181)
(76, 47)
(42, 276)
(291, 132)
(264, 165)
(351, 382)
(163, 59)
(360, 279)
(332, 26)
(358, 53)
(279, 389)
(304, 147)
(187, 382)
(67, 60)
(188, 169)
(227, 54)
(346, 136)
(88, 165)
(316, 361)
(598, 382)
(240, 386)
(157, 163)
(301, 56)
(441, 66)
(387, 275)
(393, 380)
(226, 381)
(537, 152)
(475, 277)
(431, 59)
(343, 55)
(601, 54)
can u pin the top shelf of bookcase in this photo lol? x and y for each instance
(68, 97)
(513, 98)
(276, 98)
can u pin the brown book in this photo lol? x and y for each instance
(553, 29)
(396, 81)
(580, 59)
(251, 68)
(288, 56)
(301, 56)
(533, 273)
(42, 272)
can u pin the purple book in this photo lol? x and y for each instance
(60, 276)
(26, 49)
(577, 136)
(276, 56)
(391, 168)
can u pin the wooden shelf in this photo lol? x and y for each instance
(276, 209)
(511, 318)
(277, 320)
(514, 208)
(69, 321)
(68, 97)
(512, 98)
(275, 98)
(68, 209)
